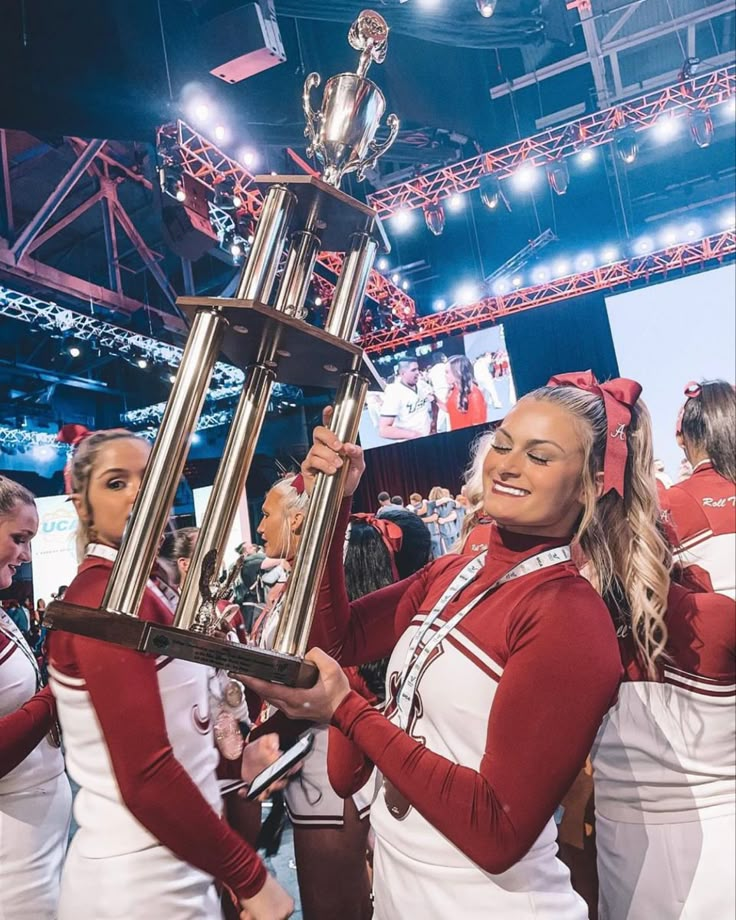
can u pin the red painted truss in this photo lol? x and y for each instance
(613, 277)
(557, 142)
(206, 162)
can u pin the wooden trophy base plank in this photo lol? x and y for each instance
(143, 636)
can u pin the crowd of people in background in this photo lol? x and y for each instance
(586, 601)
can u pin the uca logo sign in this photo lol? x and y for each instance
(62, 520)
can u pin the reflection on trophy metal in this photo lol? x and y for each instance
(262, 331)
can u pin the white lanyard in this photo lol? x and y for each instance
(9, 629)
(418, 653)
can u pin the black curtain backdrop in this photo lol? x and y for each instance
(574, 335)
(415, 466)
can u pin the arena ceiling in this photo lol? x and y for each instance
(459, 82)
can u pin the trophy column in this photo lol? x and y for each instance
(256, 284)
(138, 550)
(300, 598)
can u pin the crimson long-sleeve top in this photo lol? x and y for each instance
(143, 706)
(550, 637)
(23, 730)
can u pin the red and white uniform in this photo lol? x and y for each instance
(702, 510)
(139, 742)
(35, 797)
(665, 774)
(504, 714)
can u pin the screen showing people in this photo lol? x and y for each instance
(439, 387)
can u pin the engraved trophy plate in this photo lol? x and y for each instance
(262, 329)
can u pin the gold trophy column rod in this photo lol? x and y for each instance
(152, 506)
(300, 598)
(256, 284)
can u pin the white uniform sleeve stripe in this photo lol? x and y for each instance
(717, 681)
(693, 541)
(7, 652)
(719, 689)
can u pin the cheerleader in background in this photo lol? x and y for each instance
(702, 508)
(35, 797)
(503, 665)
(138, 739)
(665, 768)
(329, 833)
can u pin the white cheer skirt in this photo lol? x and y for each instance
(404, 887)
(310, 799)
(683, 871)
(34, 830)
(151, 884)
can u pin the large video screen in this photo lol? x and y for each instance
(437, 387)
(668, 334)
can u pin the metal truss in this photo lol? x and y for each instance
(108, 338)
(617, 275)
(557, 142)
(20, 439)
(15, 254)
(206, 162)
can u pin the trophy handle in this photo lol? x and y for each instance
(377, 150)
(312, 118)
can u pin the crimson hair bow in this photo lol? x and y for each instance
(390, 532)
(619, 398)
(71, 434)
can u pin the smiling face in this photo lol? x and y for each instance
(113, 486)
(17, 528)
(533, 473)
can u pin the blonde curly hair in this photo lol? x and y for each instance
(629, 558)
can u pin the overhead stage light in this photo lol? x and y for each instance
(609, 254)
(490, 191)
(434, 218)
(142, 363)
(220, 132)
(728, 219)
(525, 177)
(666, 127)
(627, 146)
(456, 203)
(587, 156)
(728, 108)
(466, 293)
(701, 128)
(249, 158)
(584, 262)
(402, 221)
(644, 245)
(561, 268)
(486, 8)
(439, 305)
(382, 264)
(558, 176)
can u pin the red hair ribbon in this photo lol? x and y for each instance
(619, 398)
(390, 532)
(692, 391)
(298, 483)
(71, 434)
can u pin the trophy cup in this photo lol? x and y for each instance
(268, 338)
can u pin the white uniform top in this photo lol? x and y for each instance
(17, 685)
(454, 725)
(107, 828)
(410, 408)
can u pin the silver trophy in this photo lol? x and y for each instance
(341, 133)
(262, 330)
